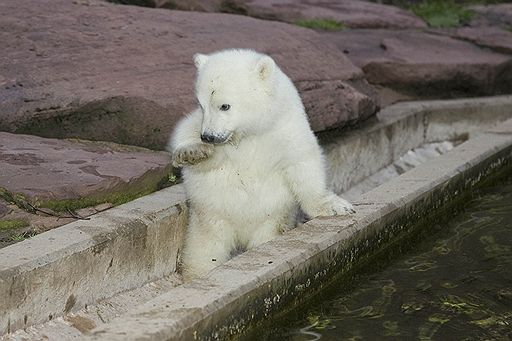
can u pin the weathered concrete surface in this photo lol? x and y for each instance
(413, 158)
(73, 325)
(501, 128)
(263, 280)
(356, 155)
(79, 264)
(47, 171)
(424, 65)
(457, 119)
(101, 71)
(405, 122)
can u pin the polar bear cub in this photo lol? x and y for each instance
(250, 159)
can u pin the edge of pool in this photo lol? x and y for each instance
(263, 280)
(66, 269)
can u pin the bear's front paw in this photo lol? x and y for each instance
(340, 206)
(192, 154)
(334, 205)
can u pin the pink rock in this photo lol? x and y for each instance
(4, 209)
(183, 5)
(100, 71)
(500, 14)
(49, 169)
(352, 13)
(495, 38)
(422, 65)
(226, 6)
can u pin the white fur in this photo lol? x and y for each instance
(247, 190)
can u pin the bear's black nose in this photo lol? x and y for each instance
(207, 138)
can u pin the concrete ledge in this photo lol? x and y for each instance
(76, 265)
(79, 264)
(355, 155)
(261, 281)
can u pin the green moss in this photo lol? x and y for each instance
(17, 198)
(442, 13)
(10, 224)
(4, 194)
(76, 204)
(321, 24)
(17, 238)
(22, 236)
(119, 195)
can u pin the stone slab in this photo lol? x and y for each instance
(496, 14)
(182, 5)
(100, 71)
(48, 170)
(4, 208)
(495, 38)
(351, 13)
(425, 65)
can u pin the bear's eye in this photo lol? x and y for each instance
(225, 107)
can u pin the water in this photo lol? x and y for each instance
(456, 284)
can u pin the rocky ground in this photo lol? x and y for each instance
(76, 71)
(49, 182)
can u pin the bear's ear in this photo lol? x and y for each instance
(200, 60)
(265, 67)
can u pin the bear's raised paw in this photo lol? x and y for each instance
(192, 154)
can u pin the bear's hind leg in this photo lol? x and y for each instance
(264, 233)
(207, 245)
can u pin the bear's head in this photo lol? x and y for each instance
(235, 90)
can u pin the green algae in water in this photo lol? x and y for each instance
(454, 285)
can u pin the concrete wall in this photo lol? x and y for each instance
(355, 155)
(68, 268)
(265, 280)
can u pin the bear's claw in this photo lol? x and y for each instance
(335, 206)
(341, 206)
(191, 155)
